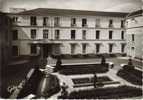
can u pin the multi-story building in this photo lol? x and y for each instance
(60, 31)
(134, 31)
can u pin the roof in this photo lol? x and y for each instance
(61, 12)
(135, 13)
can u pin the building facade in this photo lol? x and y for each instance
(73, 32)
(134, 31)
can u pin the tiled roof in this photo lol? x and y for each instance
(139, 12)
(61, 12)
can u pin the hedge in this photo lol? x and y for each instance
(84, 69)
(130, 76)
(106, 93)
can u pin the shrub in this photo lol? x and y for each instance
(112, 55)
(103, 60)
(66, 56)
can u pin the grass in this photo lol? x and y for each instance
(132, 75)
(90, 80)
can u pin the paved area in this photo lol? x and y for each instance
(111, 74)
(117, 61)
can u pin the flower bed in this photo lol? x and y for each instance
(90, 80)
(84, 69)
(134, 76)
(101, 81)
(106, 93)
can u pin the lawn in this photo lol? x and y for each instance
(90, 80)
(133, 76)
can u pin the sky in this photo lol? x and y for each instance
(95, 5)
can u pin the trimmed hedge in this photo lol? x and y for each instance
(131, 75)
(90, 80)
(106, 93)
(84, 69)
(83, 82)
(90, 55)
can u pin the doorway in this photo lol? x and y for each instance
(47, 50)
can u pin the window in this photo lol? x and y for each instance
(15, 19)
(33, 33)
(122, 48)
(33, 20)
(122, 35)
(84, 22)
(33, 49)
(56, 21)
(133, 37)
(110, 23)
(72, 34)
(110, 48)
(97, 34)
(122, 24)
(83, 34)
(97, 23)
(132, 48)
(97, 48)
(45, 33)
(72, 48)
(15, 34)
(83, 48)
(15, 50)
(57, 34)
(73, 22)
(110, 34)
(45, 21)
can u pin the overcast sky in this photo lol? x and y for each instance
(97, 5)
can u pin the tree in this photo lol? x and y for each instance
(130, 62)
(58, 63)
(103, 60)
(94, 80)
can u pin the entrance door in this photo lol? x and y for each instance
(47, 50)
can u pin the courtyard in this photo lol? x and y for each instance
(79, 82)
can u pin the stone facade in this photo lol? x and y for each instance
(69, 34)
(134, 31)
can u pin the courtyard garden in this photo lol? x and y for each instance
(132, 75)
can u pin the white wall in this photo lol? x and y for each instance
(65, 33)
